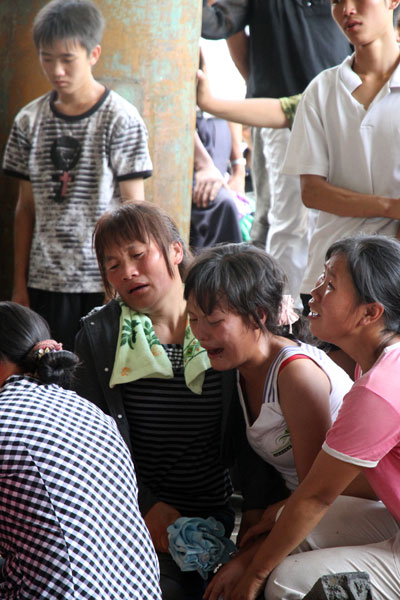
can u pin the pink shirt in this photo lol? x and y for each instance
(367, 429)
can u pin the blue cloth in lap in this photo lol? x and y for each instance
(198, 544)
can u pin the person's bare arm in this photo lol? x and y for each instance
(225, 581)
(317, 192)
(238, 162)
(23, 232)
(307, 505)
(132, 189)
(257, 112)
(360, 488)
(304, 391)
(157, 519)
(238, 45)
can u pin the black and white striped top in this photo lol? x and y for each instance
(70, 526)
(75, 164)
(175, 436)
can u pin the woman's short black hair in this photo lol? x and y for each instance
(137, 221)
(374, 266)
(20, 330)
(248, 279)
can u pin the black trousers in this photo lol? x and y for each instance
(63, 312)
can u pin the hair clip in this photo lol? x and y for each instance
(287, 315)
(46, 346)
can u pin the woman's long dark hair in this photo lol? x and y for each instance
(20, 330)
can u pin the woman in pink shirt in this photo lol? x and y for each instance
(355, 305)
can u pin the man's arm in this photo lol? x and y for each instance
(317, 192)
(238, 45)
(224, 18)
(132, 189)
(23, 232)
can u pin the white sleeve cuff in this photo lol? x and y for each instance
(349, 459)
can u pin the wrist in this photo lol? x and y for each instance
(238, 171)
(238, 162)
(203, 163)
(20, 281)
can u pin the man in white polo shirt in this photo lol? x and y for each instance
(345, 141)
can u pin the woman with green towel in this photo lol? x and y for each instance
(142, 365)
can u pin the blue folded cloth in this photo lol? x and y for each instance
(198, 544)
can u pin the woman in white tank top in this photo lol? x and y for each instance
(290, 391)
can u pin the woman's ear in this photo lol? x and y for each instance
(373, 312)
(262, 315)
(176, 253)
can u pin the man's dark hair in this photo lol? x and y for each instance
(77, 20)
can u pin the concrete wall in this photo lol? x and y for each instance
(150, 56)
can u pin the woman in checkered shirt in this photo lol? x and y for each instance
(70, 526)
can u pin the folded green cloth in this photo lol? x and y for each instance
(140, 355)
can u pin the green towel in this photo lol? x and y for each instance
(140, 354)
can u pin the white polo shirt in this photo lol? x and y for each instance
(335, 137)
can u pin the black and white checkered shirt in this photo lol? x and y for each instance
(70, 526)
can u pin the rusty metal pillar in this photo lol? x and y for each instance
(149, 56)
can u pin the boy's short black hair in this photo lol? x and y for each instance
(78, 20)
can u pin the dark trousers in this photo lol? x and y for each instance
(63, 312)
(216, 224)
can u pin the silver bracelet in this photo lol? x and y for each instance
(238, 161)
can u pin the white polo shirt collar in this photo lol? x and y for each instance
(352, 81)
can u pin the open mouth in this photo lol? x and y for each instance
(313, 314)
(138, 288)
(214, 352)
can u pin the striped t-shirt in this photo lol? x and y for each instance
(75, 164)
(175, 436)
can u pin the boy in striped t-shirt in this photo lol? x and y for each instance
(77, 150)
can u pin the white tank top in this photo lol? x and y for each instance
(269, 435)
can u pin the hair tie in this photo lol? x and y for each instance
(46, 346)
(287, 315)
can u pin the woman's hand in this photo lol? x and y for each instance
(249, 588)
(264, 525)
(208, 182)
(227, 578)
(204, 96)
(160, 516)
